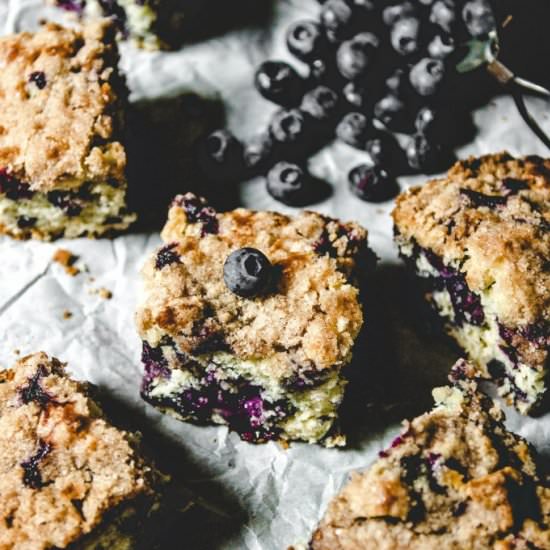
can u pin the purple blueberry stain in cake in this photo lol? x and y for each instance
(466, 304)
(209, 341)
(198, 212)
(33, 392)
(155, 365)
(238, 402)
(39, 79)
(12, 187)
(434, 460)
(482, 200)
(167, 256)
(76, 6)
(66, 201)
(32, 477)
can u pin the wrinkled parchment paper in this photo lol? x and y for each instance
(273, 497)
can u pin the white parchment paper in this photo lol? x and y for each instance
(274, 496)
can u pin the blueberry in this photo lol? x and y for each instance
(444, 14)
(354, 57)
(12, 187)
(325, 71)
(355, 94)
(424, 156)
(167, 255)
(258, 152)
(66, 201)
(371, 183)
(479, 200)
(393, 113)
(305, 40)
(441, 46)
(321, 103)
(221, 157)
(427, 76)
(278, 82)
(290, 130)
(384, 150)
(290, 184)
(39, 79)
(478, 17)
(337, 19)
(436, 125)
(354, 129)
(24, 222)
(198, 211)
(247, 272)
(391, 14)
(405, 36)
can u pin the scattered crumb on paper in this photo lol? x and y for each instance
(66, 259)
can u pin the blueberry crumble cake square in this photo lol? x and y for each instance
(249, 318)
(454, 478)
(62, 164)
(69, 479)
(479, 242)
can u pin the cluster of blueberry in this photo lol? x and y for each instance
(376, 68)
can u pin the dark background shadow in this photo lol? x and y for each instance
(162, 136)
(525, 44)
(204, 19)
(215, 516)
(405, 357)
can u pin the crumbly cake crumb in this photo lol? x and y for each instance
(67, 474)
(454, 478)
(66, 259)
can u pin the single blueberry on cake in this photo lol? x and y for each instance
(249, 318)
(454, 478)
(62, 166)
(479, 241)
(69, 479)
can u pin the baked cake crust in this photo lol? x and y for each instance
(270, 366)
(58, 132)
(65, 469)
(501, 240)
(454, 478)
(314, 317)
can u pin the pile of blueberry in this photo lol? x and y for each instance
(375, 68)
